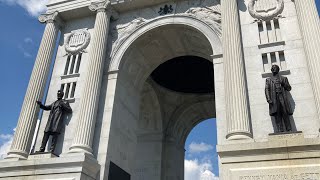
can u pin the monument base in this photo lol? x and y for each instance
(283, 157)
(41, 155)
(47, 166)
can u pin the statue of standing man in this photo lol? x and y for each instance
(55, 120)
(276, 94)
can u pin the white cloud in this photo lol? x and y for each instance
(33, 7)
(195, 170)
(6, 140)
(199, 147)
(25, 53)
(26, 46)
(28, 40)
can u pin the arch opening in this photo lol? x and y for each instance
(201, 159)
(157, 113)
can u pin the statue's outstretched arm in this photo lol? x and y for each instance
(44, 107)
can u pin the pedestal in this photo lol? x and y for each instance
(48, 166)
(285, 156)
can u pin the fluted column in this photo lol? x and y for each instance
(83, 137)
(237, 112)
(23, 136)
(310, 28)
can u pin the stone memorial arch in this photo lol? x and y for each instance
(119, 64)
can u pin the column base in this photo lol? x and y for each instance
(81, 149)
(17, 155)
(239, 135)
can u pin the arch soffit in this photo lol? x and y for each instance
(203, 105)
(208, 31)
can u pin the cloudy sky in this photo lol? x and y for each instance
(20, 36)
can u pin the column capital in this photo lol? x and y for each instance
(52, 17)
(100, 6)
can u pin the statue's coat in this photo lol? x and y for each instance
(57, 110)
(270, 91)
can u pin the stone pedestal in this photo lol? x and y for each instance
(284, 157)
(47, 166)
(42, 155)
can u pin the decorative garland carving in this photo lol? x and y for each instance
(268, 13)
(212, 16)
(77, 41)
(124, 30)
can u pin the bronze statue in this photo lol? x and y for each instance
(276, 94)
(55, 120)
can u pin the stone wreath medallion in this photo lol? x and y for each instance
(268, 13)
(77, 41)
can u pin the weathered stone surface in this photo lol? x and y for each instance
(141, 126)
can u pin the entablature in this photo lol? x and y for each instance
(71, 9)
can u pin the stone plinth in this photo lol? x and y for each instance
(284, 156)
(285, 136)
(48, 166)
(41, 155)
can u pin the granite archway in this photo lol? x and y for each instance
(150, 143)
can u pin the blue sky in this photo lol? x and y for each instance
(20, 37)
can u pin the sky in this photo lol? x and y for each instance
(20, 36)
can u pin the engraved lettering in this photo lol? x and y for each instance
(301, 176)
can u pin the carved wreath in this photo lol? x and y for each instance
(78, 48)
(267, 15)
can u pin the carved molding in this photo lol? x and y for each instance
(212, 16)
(265, 9)
(52, 17)
(77, 41)
(122, 31)
(100, 6)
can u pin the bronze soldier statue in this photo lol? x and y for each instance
(276, 95)
(55, 120)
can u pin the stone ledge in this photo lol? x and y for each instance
(285, 135)
(76, 164)
(70, 76)
(290, 148)
(41, 155)
(278, 43)
(280, 170)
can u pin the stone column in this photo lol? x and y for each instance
(83, 138)
(310, 28)
(23, 136)
(237, 109)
